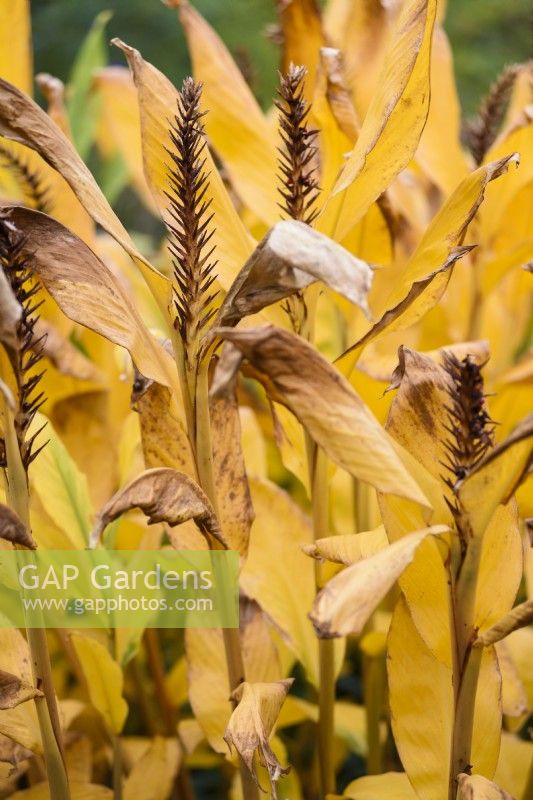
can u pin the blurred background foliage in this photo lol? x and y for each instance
(485, 34)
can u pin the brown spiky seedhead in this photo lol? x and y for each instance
(470, 428)
(30, 181)
(28, 353)
(482, 131)
(297, 162)
(191, 231)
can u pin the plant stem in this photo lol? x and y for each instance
(204, 461)
(46, 706)
(374, 681)
(318, 479)
(117, 768)
(467, 662)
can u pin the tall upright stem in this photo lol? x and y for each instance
(204, 460)
(46, 705)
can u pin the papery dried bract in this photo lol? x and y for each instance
(13, 530)
(252, 723)
(476, 787)
(291, 257)
(14, 690)
(164, 495)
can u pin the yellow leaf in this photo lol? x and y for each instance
(61, 487)
(16, 59)
(389, 786)
(303, 37)
(349, 547)
(327, 406)
(441, 156)
(421, 703)
(347, 601)
(20, 724)
(392, 127)
(495, 479)
(119, 129)
(278, 530)
(235, 124)
(104, 681)
(158, 100)
(152, 776)
(208, 675)
(516, 758)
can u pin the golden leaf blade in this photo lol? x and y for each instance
(348, 600)
(326, 406)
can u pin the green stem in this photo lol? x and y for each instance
(46, 705)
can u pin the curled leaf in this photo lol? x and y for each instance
(519, 617)
(14, 690)
(349, 547)
(164, 495)
(476, 787)
(13, 530)
(23, 121)
(291, 257)
(326, 406)
(347, 601)
(252, 722)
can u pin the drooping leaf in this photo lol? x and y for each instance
(21, 120)
(326, 406)
(291, 257)
(20, 724)
(164, 495)
(14, 690)
(348, 600)
(87, 291)
(104, 679)
(252, 723)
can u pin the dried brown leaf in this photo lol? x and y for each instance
(476, 787)
(13, 530)
(291, 257)
(252, 722)
(164, 495)
(23, 121)
(299, 377)
(14, 691)
(347, 601)
(235, 507)
(87, 291)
